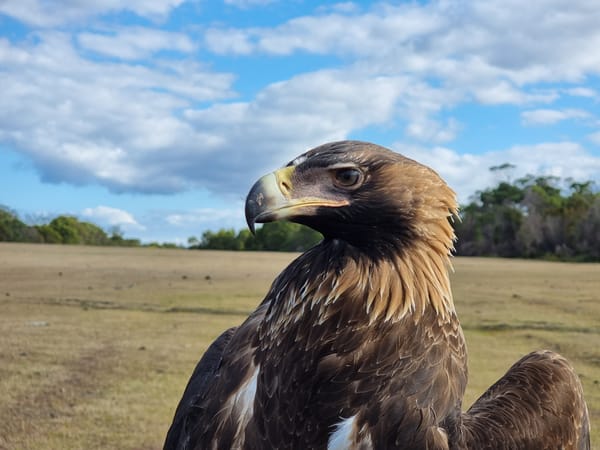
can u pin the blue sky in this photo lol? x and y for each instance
(157, 117)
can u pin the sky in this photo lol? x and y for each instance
(155, 117)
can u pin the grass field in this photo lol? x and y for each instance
(96, 344)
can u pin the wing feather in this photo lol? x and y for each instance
(537, 404)
(185, 415)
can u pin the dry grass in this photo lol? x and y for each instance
(96, 344)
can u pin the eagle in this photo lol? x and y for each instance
(357, 344)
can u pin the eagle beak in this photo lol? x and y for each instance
(275, 197)
(268, 197)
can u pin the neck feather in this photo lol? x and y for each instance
(407, 284)
(390, 289)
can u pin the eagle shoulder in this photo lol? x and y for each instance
(538, 404)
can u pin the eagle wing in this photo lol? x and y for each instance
(211, 407)
(186, 413)
(537, 404)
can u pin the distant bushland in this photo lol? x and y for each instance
(61, 230)
(532, 217)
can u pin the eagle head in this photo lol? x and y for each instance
(357, 192)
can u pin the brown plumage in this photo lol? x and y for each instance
(357, 343)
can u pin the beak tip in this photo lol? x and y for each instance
(251, 228)
(251, 213)
(255, 204)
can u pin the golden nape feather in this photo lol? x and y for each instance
(357, 344)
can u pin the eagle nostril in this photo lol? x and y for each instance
(284, 187)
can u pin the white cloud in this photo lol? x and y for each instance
(367, 35)
(582, 92)
(342, 7)
(135, 42)
(550, 41)
(551, 116)
(83, 121)
(463, 48)
(44, 13)
(205, 216)
(500, 92)
(248, 3)
(112, 217)
(229, 41)
(428, 130)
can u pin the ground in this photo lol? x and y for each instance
(96, 343)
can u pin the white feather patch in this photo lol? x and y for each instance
(244, 398)
(343, 436)
(242, 406)
(347, 436)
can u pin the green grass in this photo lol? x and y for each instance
(97, 344)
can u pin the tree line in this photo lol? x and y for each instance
(61, 230)
(531, 217)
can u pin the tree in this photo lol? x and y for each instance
(49, 234)
(224, 239)
(491, 222)
(532, 217)
(61, 230)
(587, 232)
(11, 228)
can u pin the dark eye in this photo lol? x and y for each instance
(347, 178)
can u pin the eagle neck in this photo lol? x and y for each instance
(379, 289)
(410, 282)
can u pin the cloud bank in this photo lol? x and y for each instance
(142, 108)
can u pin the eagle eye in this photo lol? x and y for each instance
(347, 177)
